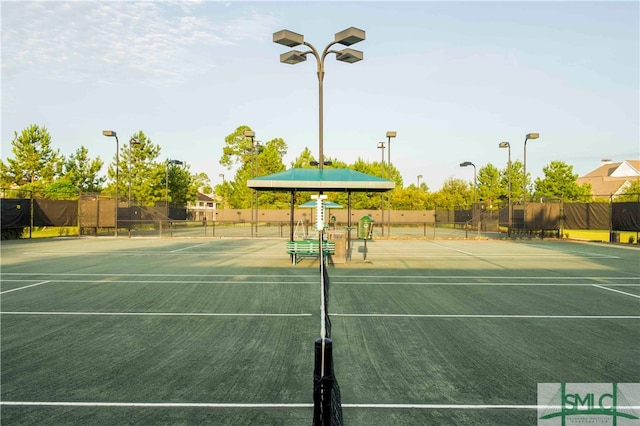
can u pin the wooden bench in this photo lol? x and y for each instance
(308, 248)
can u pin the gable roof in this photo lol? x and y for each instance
(625, 169)
(203, 197)
(312, 180)
(611, 178)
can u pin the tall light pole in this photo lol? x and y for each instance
(508, 146)
(419, 177)
(251, 134)
(166, 181)
(347, 37)
(381, 147)
(475, 180)
(113, 134)
(221, 175)
(524, 181)
(132, 141)
(390, 134)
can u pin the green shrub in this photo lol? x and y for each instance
(12, 233)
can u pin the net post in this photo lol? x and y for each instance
(325, 412)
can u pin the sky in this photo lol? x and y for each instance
(453, 79)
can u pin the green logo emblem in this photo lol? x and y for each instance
(566, 404)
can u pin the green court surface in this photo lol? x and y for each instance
(106, 331)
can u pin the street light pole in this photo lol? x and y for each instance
(111, 133)
(251, 134)
(508, 146)
(419, 177)
(347, 37)
(132, 141)
(475, 180)
(381, 146)
(524, 181)
(390, 134)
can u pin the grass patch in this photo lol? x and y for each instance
(599, 235)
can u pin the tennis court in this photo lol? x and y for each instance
(191, 331)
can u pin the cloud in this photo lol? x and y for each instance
(154, 43)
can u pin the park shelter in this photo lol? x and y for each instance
(320, 180)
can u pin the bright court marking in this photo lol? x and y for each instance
(274, 405)
(617, 291)
(487, 316)
(449, 248)
(26, 286)
(293, 405)
(188, 247)
(480, 284)
(153, 253)
(392, 255)
(151, 404)
(151, 314)
(333, 276)
(227, 282)
(72, 274)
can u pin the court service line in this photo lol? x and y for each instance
(150, 314)
(189, 247)
(617, 291)
(449, 248)
(486, 316)
(26, 286)
(268, 405)
(424, 277)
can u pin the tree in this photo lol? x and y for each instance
(202, 183)
(632, 192)
(82, 172)
(560, 182)
(303, 160)
(253, 158)
(35, 163)
(138, 167)
(517, 179)
(455, 193)
(490, 188)
(410, 198)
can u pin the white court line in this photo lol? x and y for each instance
(228, 282)
(617, 291)
(189, 247)
(487, 316)
(231, 252)
(72, 274)
(161, 314)
(281, 405)
(423, 277)
(494, 277)
(449, 248)
(473, 284)
(151, 404)
(272, 405)
(26, 286)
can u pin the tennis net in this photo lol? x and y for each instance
(327, 409)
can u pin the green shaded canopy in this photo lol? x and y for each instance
(316, 180)
(327, 204)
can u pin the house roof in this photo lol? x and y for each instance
(611, 178)
(312, 180)
(204, 197)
